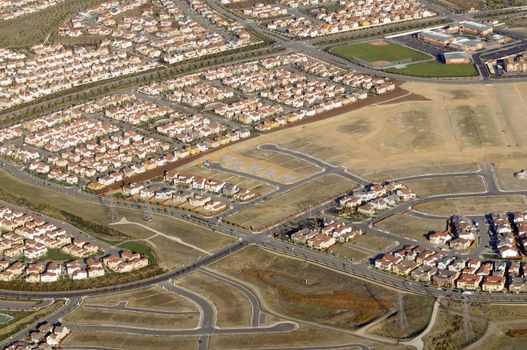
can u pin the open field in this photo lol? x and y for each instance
(417, 313)
(430, 187)
(290, 203)
(374, 242)
(473, 206)
(304, 336)
(379, 53)
(505, 336)
(234, 309)
(89, 316)
(128, 341)
(274, 166)
(411, 226)
(170, 254)
(401, 139)
(308, 292)
(242, 182)
(505, 166)
(346, 251)
(436, 69)
(493, 312)
(28, 30)
(448, 331)
(153, 298)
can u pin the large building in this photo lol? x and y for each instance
(455, 58)
(475, 28)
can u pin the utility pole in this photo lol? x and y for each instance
(402, 322)
(147, 212)
(467, 327)
(109, 209)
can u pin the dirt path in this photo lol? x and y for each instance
(124, 221)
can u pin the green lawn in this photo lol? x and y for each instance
(56, 255)
(371, 53)
(435, 69)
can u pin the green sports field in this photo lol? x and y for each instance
(435, 69)
(379, 53)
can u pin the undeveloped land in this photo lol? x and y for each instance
(473, 205)
(457, 127)
(411, 226)
(430, 187)
(288, 204)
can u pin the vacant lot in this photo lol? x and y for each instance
(430, 187)
(234, 309)
(373, 241)
(436, 69)
(417, 313)
(26, 31)
(505, 166)
(411, 227)
(379, 53)
(128, 341)
(153, 298)
(308, 292)
(473, 205)
(346, 251)
(274, 166)
(291, 203)
(449, 333)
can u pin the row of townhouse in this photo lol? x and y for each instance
(170, 85)
(29, 236)
(461, 232)
(352, 15)
(374, 198)
(137, 112)
(45, 336)
(304, 93)
(331, 233)
(200, 95)
(509, 233)
(263, 11)
(263, 79)
(205, 11)
(19, 154)
(248, 111)
(210, 185)
(53, 67)
(12, 9)
(427, 266)
(190, 128)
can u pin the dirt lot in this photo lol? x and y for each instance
(292, 202)
(308, 292)
(473, 206)
(430, 187)
(411, 227)
(457, 127)
(373, 242)
(270, 165)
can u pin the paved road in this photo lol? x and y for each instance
(255, 303)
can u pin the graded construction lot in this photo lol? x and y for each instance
(473, 205)
(233, 307)
(85, 315)
(445, 185)
(379, 53)
(304, 291)
(305, 336)
(153, 298)
(274, 166)
(290, 203)
(457, 127)
(411, 226)
(436, 70)
(242, 182)
(127, 341)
